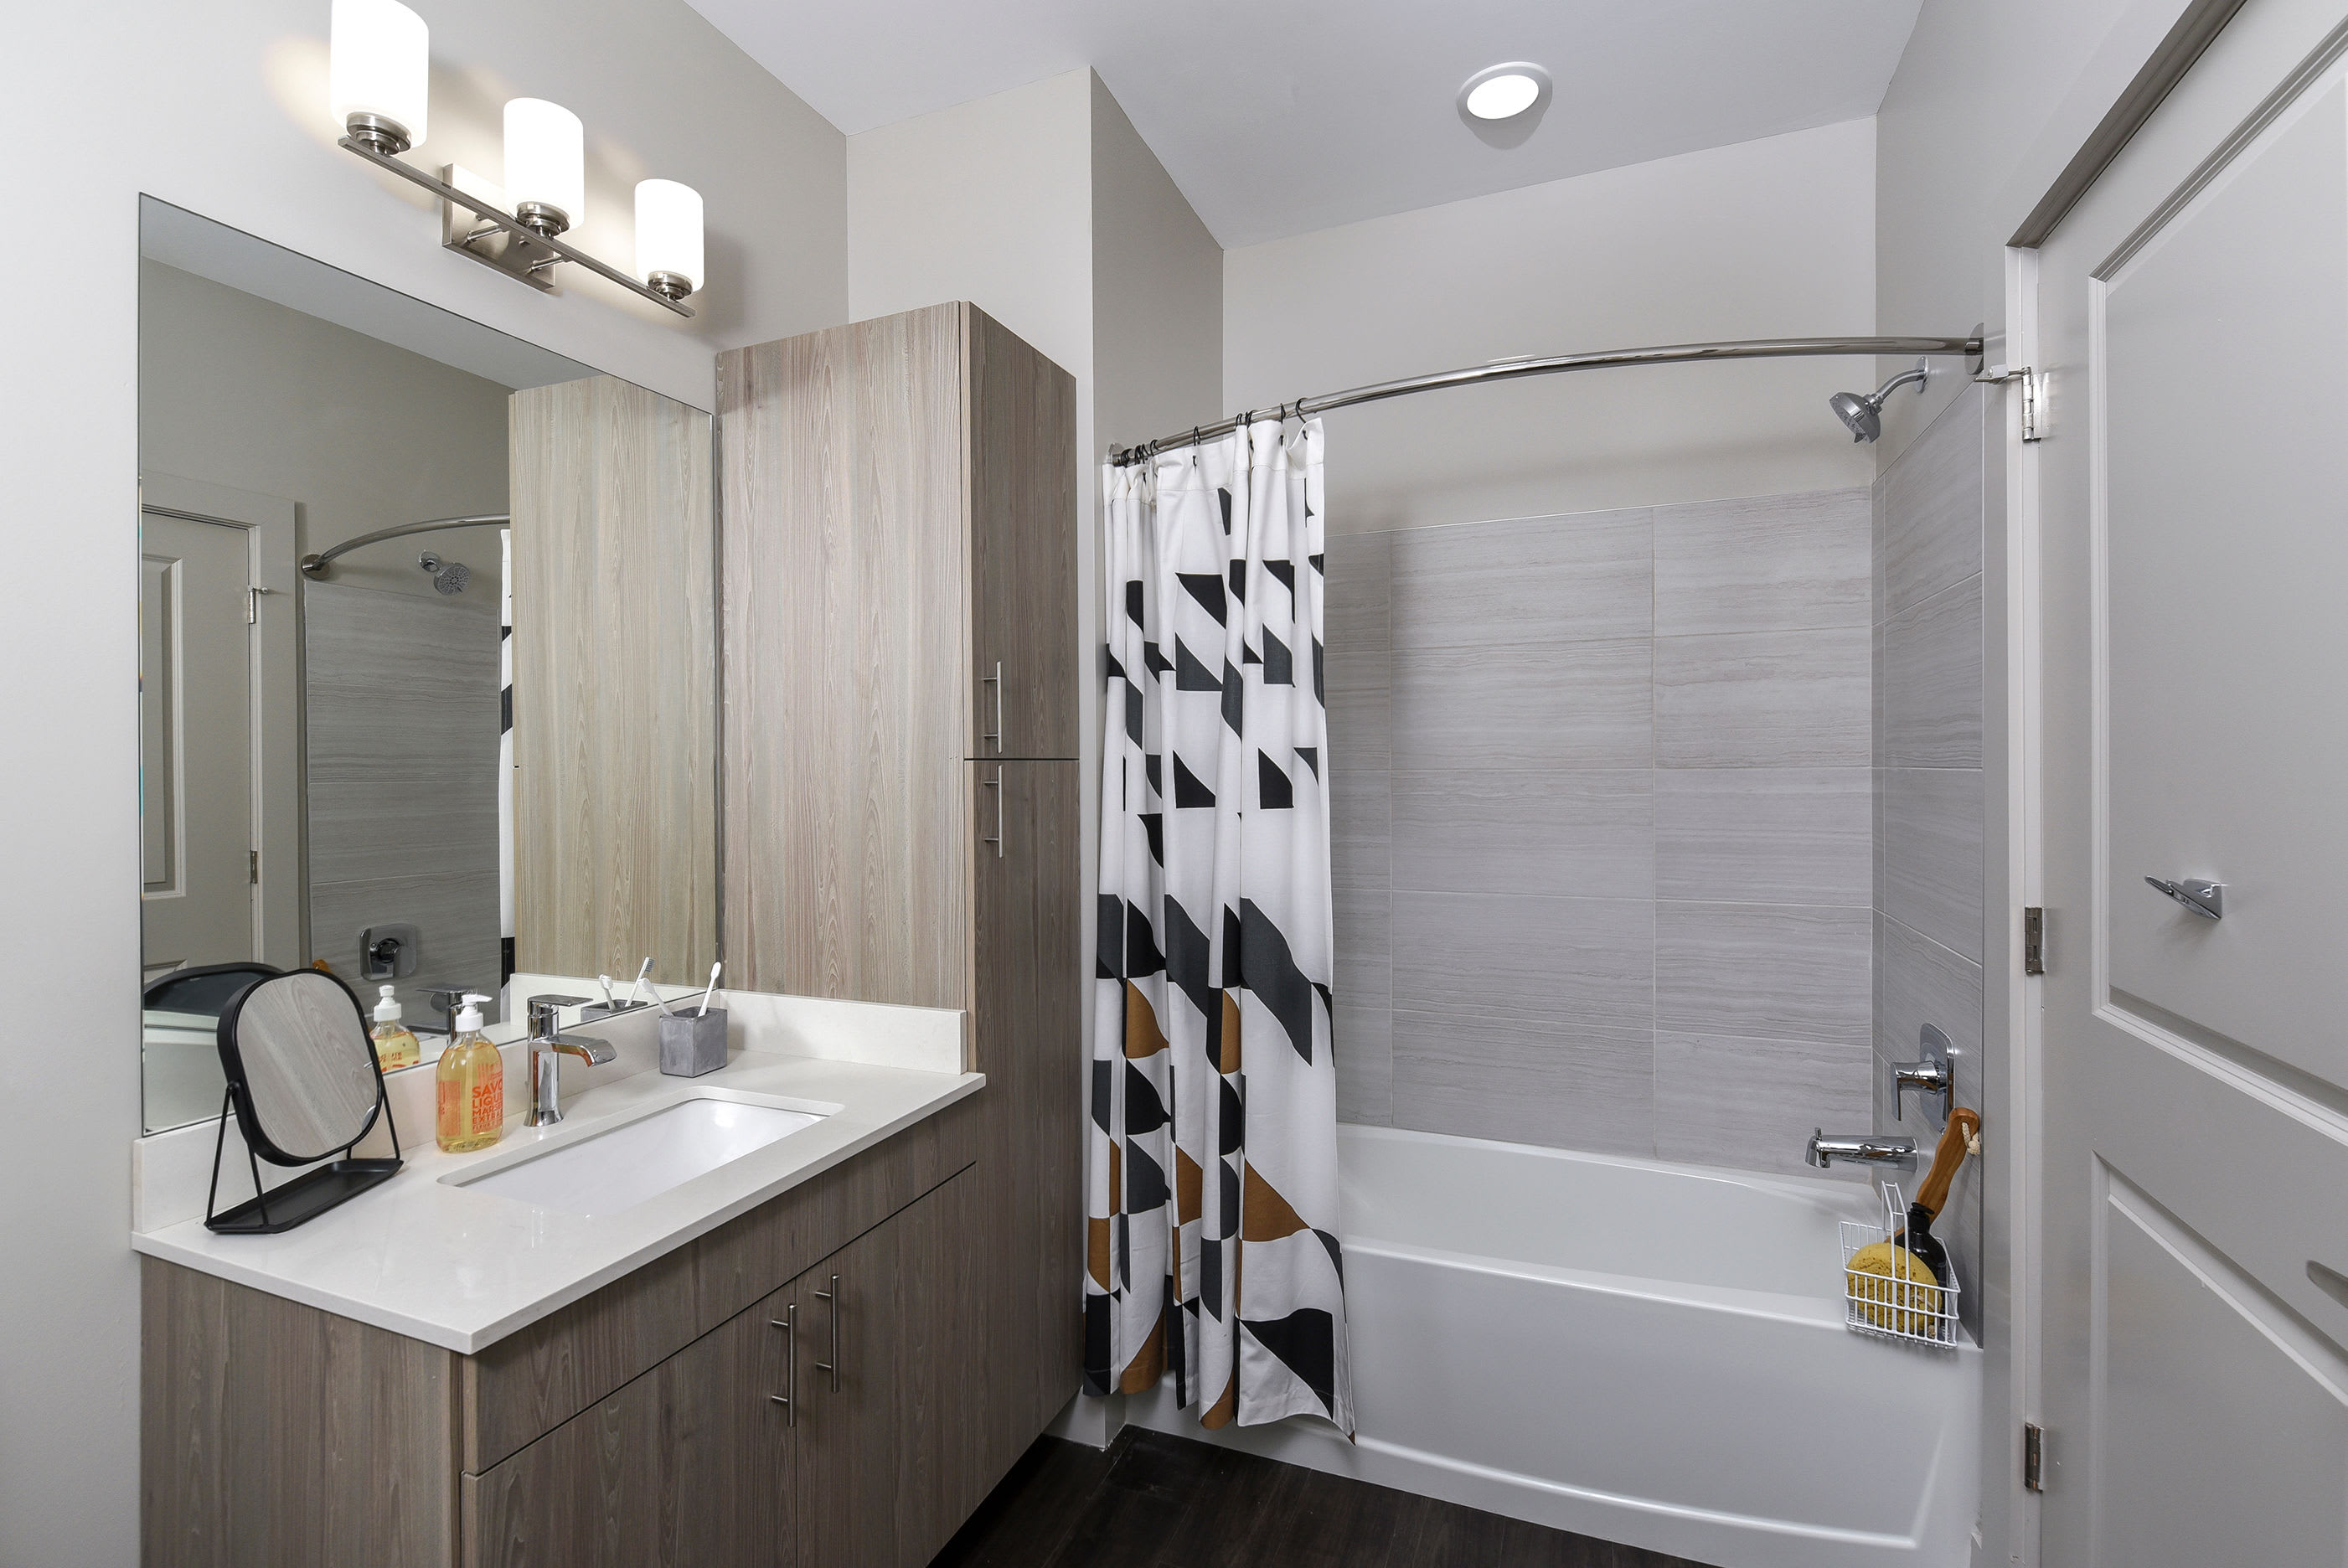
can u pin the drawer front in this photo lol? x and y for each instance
(539, 1377)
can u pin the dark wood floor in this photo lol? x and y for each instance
(1156, 1501)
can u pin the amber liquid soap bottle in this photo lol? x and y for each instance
(469, 1085)
(394, 1044)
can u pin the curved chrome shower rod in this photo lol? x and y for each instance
(1510, 369)
(314, 566)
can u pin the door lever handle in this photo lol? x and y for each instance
(2206, 899)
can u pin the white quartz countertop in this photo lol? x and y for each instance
(461, 1268)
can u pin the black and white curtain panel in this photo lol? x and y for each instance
(1213, 1195)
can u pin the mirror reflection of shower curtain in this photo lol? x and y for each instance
(505, 774)
(1211, 1184)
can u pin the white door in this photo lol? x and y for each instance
(2194, 491)
(195, 715)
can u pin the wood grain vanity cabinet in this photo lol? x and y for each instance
(901, 824)
(898, 520)
(636, 1426)
(818, 1425)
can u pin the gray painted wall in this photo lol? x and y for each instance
(237, 390)
(240, 87)
(1990, 99)
(1602, 827)
(1765, 239)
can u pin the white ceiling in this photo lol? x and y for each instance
(1280, 117)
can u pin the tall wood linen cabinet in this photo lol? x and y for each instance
(899, 590)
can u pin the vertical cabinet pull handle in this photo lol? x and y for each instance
(996, 784)
(788, 1323)
(832, 1365)
(995, 680)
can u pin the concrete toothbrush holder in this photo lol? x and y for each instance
(691, 1044)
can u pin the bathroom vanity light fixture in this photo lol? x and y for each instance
(378, 87)
(1504, 91)
(668, 237)
(378, 82)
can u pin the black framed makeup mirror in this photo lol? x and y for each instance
(304, 1087)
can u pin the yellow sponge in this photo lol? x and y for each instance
(1885, 1290)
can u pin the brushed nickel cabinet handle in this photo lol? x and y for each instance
(789, 1324)
(832, 1365)
(995, 680)
(996, 784)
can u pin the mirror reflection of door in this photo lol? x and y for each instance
(358, 453)
(195, 712)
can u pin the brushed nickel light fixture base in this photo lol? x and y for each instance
(473, 219)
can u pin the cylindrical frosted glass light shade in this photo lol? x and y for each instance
(546, 161)
(380, 65)
(668, 232)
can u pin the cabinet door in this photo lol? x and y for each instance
(1027, 988)
(686, 1466)
(1022, 546)
(614, 580)
(846, 587)
(884, 1465)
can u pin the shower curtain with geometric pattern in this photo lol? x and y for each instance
(1211, 1248)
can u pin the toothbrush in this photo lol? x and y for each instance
(632, 999)
(605, 982)
(713, 988)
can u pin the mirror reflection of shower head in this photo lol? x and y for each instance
(1863, 415)
(448, 576)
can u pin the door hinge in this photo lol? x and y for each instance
(2034, 940)
(2034, 1457)
(2032, 390)
(252, 868)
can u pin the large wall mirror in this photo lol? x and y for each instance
(476, 734)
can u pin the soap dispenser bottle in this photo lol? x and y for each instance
(394, 1045)
(469, 1102)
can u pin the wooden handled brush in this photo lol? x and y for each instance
(1933, 1195)
(1895, 1283)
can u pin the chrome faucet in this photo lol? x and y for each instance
(547, 1046)
(1934, 1074)
(1865, 1147)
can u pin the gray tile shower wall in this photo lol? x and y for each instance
(1931, 507)
(1603, 827)
(402, 781)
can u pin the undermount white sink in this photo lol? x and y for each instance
(642, 1159)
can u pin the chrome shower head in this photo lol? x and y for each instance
(1862, 414)
(449, 576)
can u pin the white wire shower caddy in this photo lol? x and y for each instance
(1888, 1308)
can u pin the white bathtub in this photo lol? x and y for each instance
(1644, 1351)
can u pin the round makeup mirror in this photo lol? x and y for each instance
(301, 1070)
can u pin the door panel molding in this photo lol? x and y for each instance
(2232, 1065)
(2291, 90)
(2207, 613)
(281, 912)
(2172, 1311)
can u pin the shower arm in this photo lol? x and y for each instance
(1897, 382)
(314, 567)
(1510, 369)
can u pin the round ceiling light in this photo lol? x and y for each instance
(1503, 92)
